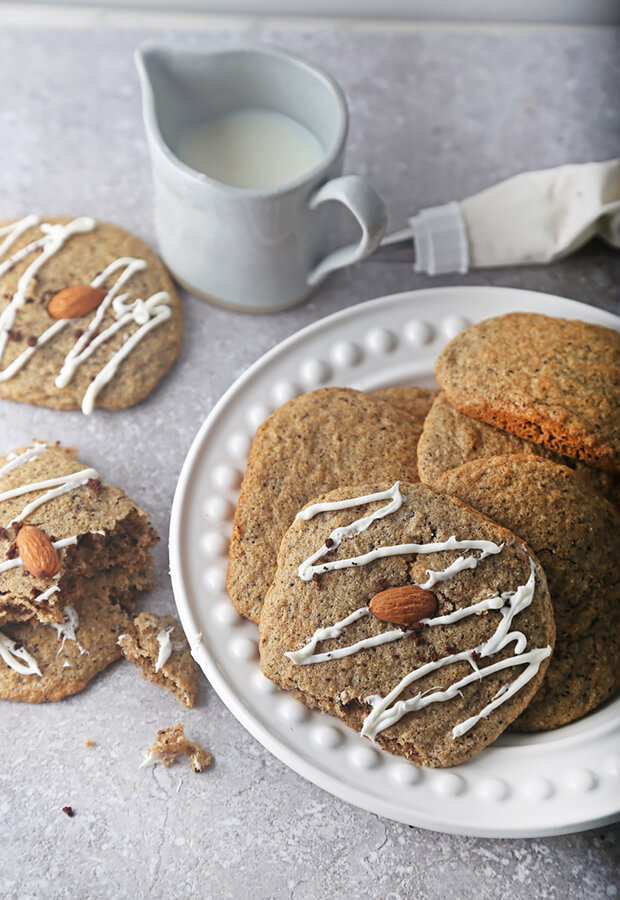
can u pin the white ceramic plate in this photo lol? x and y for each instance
(521, 786)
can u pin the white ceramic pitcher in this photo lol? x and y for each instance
(254, 250)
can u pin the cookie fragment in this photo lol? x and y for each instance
(171, 743)
(552, 381)
(67, 654)
(158, 645)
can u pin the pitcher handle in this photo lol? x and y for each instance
(369, 210)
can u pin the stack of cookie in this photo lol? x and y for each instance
(425, 615)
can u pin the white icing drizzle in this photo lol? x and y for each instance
(45, 595)
(17, 657)
(165, 648)
(386, 711)
(307, 568)
(67, 630)
(61, 485)
(16, 460)
(158, 308)
(54, 236)
(15, 230)
(147, 314)
(392, 494)
(14, 563)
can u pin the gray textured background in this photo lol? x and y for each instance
(436, 115)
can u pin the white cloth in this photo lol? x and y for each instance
(535, 217)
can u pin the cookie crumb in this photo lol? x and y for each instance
(88, 743)
(68, 811)
(171, 743)
(158, 646)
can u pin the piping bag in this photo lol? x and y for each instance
(535, 217)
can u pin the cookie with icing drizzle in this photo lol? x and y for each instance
(118, 343)
(576, 536)
(450, 438)
(442, 690)
(93, 526)
(311, 444)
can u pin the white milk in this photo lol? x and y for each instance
(251, 148)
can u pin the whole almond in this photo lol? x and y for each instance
(405, 605)
(75, 301)
(37, 552)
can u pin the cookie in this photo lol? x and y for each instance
(88, 314)
(576, 536)
(552, 381)
(413, 400)
(430, 678)
(311, 444)
(90, 526)
(171, 743)
(450, 438)
(50, 662)
(157, 644)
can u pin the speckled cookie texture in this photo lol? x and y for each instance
(61, 621)
(413, 400)
(157, 644)
(353, 686)
(96, 527)
(311, 444)
(576, 536)
(67, 657)
(68, 363)
(552, 381)
(450, 438)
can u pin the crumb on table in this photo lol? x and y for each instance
(171, 743)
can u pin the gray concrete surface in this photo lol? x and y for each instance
(435, 116)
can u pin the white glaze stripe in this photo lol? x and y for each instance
(306, 655)
(67, 630)
(311, 511)
(13, 231)
(26, 456)
(60, 485)
(15, 657)
(14, 563)
(307, 570)
(53, 239)
(384, 714)
(158, 304)
(165, 648)
(45, 595)
(76, 355)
